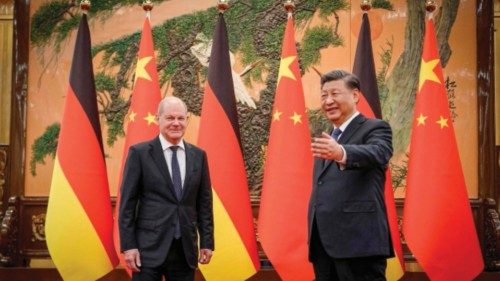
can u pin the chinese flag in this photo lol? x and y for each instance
(288, 172)
(235, 256)
(79, 220)
(369, 105)
(141, 124)
(438, 224)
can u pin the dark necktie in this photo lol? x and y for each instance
(177, 181)
(176, 173)
(336, 133)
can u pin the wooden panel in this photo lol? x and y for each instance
(6, 36)
(39, 274)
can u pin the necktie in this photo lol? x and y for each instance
(177, 181)
(336, 133)
(176, 173)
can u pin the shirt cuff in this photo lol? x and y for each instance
(342, 162)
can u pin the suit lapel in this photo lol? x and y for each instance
(346, 136)
(190, 164)
(156, 153)
(352, 128)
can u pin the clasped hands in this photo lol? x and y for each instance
(326, 147)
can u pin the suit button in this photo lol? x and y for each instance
(320, 183)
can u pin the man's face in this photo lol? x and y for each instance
(172, 122)
(338, 102)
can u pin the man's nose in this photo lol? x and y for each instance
(329, 99)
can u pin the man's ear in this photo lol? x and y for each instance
(356, 95)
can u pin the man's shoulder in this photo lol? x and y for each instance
(193, 147)
(375, 122)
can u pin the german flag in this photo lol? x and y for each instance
(288, 172)
(235, 256)
(369, 105)
(79, 221)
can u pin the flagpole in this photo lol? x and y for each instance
(366, 5)
(85, 6)
(289, 7)
(147, 6)
(222, 5)
(430, 7)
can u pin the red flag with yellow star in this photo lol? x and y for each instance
(288, 172)
(141, 124)
(437, 223)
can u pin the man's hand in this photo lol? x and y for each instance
(327, 148)
(132, 259)
(205, 256)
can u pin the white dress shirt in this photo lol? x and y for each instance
(342, 128)
(181, 156)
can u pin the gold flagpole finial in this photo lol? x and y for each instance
(85, 6)
(289, 7)
(147, 6)
(366, 5)
(430, 6)
(223, 5)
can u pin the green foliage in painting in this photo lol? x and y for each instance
(56, 19)
(327, 7)
(44, 21)
(382, 4)
(315, 39)
(45, 145)
(399, 172)
(385, 58)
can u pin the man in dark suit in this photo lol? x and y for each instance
(166, 201)
(348, 230)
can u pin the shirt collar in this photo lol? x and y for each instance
(348, 121)
(165, 144)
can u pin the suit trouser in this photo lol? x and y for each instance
(175, 267)
(327, 268)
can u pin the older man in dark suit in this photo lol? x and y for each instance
(166, 201)
(348, 230)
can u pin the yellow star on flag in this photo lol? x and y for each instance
(296, 118)
(150, 118)
(427, 72)
(131, 116)
(140, 70)
(442, 122)
(421, 119)
(277, 115)
(285, 68)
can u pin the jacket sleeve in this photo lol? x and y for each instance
(204, 208)
(129, 197)
(376, 149)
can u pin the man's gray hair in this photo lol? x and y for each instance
(170, 100)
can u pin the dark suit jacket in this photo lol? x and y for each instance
(149, 207)
(348, 205)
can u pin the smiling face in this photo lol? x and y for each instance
(172, 119)
(338, 101)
